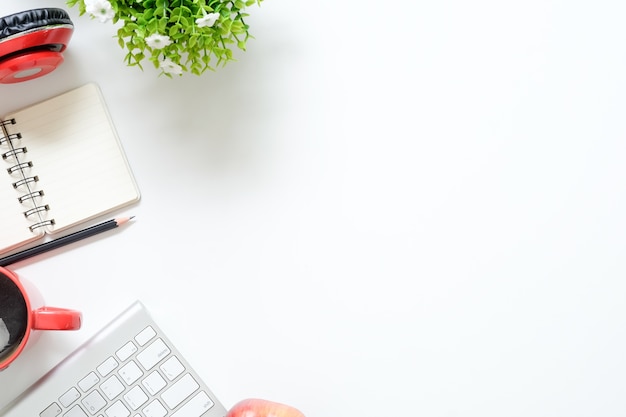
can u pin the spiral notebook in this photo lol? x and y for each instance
(63, 165)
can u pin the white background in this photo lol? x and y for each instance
(382, 208)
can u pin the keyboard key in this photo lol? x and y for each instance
(117, 410)
(52, 410)
(197, 406)
(126, 351)
(172, 368)
(112, 387)
(178, 392)
(145, 336)
(69, 397)
(130, 372)
(94, 402)
(155, 409)
(76, 411)
(88, 382)
(107, 366)
(153, 354)
(154, 383)
(135, 398)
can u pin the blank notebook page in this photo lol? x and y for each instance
(77, 157)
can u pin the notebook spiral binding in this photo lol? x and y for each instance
(26, 182)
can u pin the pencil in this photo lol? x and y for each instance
(65, 240)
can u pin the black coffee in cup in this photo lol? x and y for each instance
(13, 316)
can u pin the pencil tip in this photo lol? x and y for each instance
(120, 221)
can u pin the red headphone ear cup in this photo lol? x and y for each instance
(28, 65)
(31, 43)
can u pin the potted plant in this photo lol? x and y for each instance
(177, 36)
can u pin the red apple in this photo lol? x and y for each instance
(254, 407)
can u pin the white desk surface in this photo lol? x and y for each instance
(408, 208)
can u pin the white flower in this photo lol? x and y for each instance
(207, 20)
(100, 9)
(170, 67)
(157, 41)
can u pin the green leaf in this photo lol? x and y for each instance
(237, 27)
(175, 29)
(162, 25)
(152, 25)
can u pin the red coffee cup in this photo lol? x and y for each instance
(22, 312)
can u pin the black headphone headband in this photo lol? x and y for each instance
(32, 19)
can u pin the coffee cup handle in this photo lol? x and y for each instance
(54, 318)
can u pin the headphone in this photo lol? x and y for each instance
(31, 43)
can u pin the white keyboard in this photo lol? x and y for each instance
(128, 369)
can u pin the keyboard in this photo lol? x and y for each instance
(128, 369)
